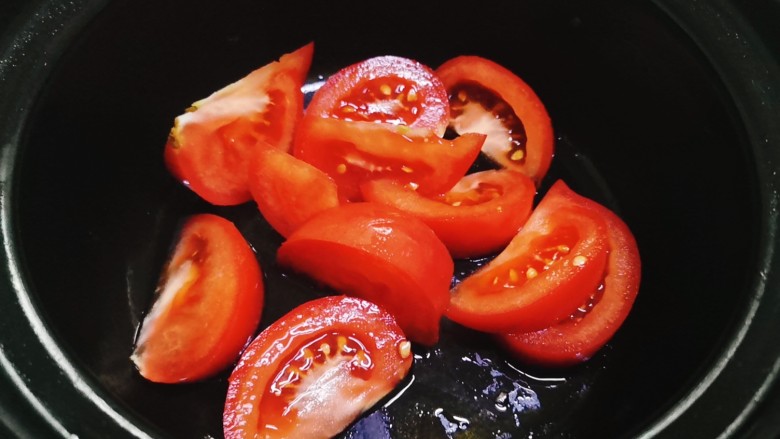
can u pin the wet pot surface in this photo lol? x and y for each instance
(646, 123)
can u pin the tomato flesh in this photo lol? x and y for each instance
(380, 254)
(209, 145)
(312, 372)
(548, 269)
(490, 206)
(289, 191)
(470, 102)
(487, 98)
(207, 307)
(387, 89)
(354, 152)
(591, 326)
(388, 100)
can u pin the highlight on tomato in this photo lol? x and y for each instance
(550, 267)
(289, 191)
(208, 146)
(386, 89)
(314, 371)
(207, 306)
(488, 98)
(592, 325)
(354, 152)
(380, 254)
(479, 215)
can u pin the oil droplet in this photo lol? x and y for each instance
(451, 423)
(501, 401)
(522, 398)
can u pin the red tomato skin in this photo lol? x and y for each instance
(467, 230)
(354, 152)
(273, 347)
(432, 96)
(289, 191)
(479, 302)
(380, 254)
(523, 100)
(576, 340)
(209, 145)
(213, 316)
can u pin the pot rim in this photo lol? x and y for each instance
(731, 387)
(734, 382)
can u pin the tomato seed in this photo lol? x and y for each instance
(405, 349)
(341, 343)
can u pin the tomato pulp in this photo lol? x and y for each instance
(289, 191)
(208, 304)
(591, 326)
(312, 372)
(548, 269)
(209, 145)
(479, 215)
(354, 152)
(388, 89)
(380, 254)
(487, 98)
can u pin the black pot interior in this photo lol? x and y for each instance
(643, 124)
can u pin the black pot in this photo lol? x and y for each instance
(667, 112)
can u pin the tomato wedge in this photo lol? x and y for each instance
(487, 98)
(578, 338)
(289, 191)
(388, 89)
(549, 269)
(479, 215)
(380, 254)
(209, 145)
(315, 370)
(207, 306)
(353, 152)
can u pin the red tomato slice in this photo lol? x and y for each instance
(208, 146)
(289, 191)
(353, 152)
(481, 214)
(578, 338)
(488, 98)
(380, 254)
(549, 269)
(208, 304)
(315, 370)
(388, 89)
